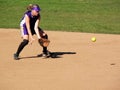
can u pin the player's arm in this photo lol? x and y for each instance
(36, 28)
(27, 21)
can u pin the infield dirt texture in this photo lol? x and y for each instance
(95, 66)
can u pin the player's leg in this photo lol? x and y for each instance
(25, 41)
(45, 36)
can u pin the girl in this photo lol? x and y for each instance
(30, 26)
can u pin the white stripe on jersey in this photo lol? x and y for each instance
(22, 21)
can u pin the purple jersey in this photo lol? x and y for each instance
(32, 22)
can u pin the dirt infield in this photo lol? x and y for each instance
(95, 66)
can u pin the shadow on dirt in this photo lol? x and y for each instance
(52, 55)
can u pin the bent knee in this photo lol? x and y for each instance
(45, 36)
(25, 41)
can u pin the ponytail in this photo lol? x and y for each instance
(32, 6)
(29, 7)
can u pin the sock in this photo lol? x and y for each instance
(45, 50)
(21, 46)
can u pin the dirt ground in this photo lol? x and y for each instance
(95, 66)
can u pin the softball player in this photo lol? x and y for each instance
(29, 26)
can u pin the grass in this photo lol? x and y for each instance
(94, 16)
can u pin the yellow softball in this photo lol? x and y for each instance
(93, 39)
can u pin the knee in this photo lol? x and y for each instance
(45, 36)
(25, 42)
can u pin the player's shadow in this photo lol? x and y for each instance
(52, 55)
(59, 54)
(28, 57)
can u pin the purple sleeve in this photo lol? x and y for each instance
(28, 13)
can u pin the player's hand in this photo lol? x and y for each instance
(44, 42)
(31, 40)
(44, 34)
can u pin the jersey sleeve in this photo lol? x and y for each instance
(28, 14)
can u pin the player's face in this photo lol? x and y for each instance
(35, 13)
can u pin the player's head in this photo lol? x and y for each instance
(35, 9)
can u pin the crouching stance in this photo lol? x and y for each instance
(30, 26)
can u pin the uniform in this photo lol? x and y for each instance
(33, 19)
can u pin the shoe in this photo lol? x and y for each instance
(16, 57)
(46, 54)
(39, 55)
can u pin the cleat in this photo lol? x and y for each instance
(16, 57)
(46, 54)
(39, 55)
